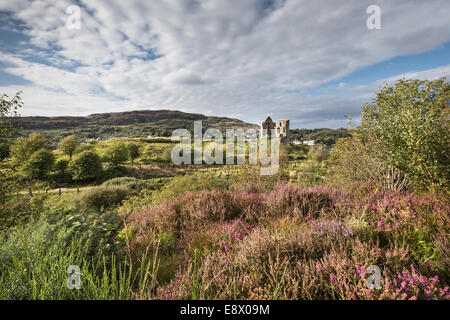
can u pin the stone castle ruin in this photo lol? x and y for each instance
(281, 128)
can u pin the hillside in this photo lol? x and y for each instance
(132, 123)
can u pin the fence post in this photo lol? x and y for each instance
(59, 191)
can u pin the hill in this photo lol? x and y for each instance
(132, 123)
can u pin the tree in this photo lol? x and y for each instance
(353, 161)
(407, 127)
(8, 109)
(23, 148)
(117, 153)
(133, 150)
(40, 163)
(69, 145)
(4, 149)
(61, 166)
(87, 166)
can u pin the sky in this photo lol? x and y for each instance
(313, 62)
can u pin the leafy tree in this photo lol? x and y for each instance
(117, 153)
(352, 161)
(40, 163)
(8, 109)
(87, 166)
(4, 149)
(407, 124)
(61, 166)
(69, 145)
(133, 150)
(23, 148)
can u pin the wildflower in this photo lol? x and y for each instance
(332, 278)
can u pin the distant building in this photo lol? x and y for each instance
(281, 128)
(296, 142)
(309, 142)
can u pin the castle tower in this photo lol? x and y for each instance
(281, 128)
(267, 126)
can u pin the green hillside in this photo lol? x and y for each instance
(118, 124)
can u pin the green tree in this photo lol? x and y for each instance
(87, 166)
(4, 149)
(407, 127)
(9, 109)
(61, 166)
(23, 148)
(69, 145)
(133, 150)
(40, 163)
(117, 153)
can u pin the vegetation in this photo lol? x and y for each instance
(87, 166)
(139, 227)
(134, 151)
(117, 153)
(320, 136)
(69, 145)
(121, 124)
(39, 164)
(408, 125)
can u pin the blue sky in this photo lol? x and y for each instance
(309, 61)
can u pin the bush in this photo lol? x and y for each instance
(352, 164)
(18, 210)
(131, 183)
(407, 127)
(102, 198)
(23, 148)
(35, 258)
(87, 166)
(4, 149)
(117, 153)
(40, 163)
(61, 166)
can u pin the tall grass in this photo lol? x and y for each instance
(35, 267)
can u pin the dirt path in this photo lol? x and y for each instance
(57, 190)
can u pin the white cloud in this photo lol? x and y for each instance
(223, 57)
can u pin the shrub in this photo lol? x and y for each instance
(412, 219)
(133, 184)
(101, 198)
(35, 258)
(305, 203)
(4, 149)
(117, 153)
(23, 148)
(87, 166)
(61, 166)
(354, 161)
(40, 163)
(18, 210)
(407, 127)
